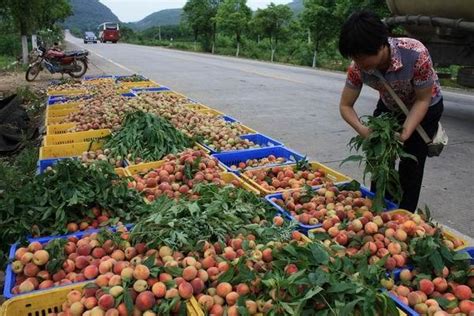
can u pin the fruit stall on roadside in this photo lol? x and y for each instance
(147, 202)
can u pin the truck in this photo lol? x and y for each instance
(446, 28)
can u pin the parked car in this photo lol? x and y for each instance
(89, 37)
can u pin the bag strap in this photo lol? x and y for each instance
(402, 105)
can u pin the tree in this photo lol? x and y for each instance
(273, 22)
(318, 17)
(31, 15)
(200, 16)
(344, 8)
(233, 17)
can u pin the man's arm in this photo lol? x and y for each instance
(417, 112)
(346, 107)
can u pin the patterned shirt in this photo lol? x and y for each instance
(410, 68)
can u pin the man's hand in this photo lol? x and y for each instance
(364, 131)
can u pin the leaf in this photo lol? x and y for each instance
(445, 303)
(128, 300)
(150, 261)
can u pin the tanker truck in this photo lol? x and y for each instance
(445, 27)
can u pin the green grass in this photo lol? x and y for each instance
(6, 61)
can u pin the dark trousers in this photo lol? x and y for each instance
(410, 171)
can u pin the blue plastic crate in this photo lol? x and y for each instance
(118, 78)
(405, 308)
(305, 228)
(10, 277)
(43, 164)
(87, 78)
(470, 251)
(129, 95)
(150, 90)
(259, 139)
(52, 100)
(229, 119)
(233, 158)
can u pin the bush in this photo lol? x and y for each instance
(10, 45)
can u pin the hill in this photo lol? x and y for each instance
(88, 14)
(163, 17)
(296, 6)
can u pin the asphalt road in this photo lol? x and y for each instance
(299, 106)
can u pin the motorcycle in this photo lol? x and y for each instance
(73, 63)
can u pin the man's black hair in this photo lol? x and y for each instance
(362, 34)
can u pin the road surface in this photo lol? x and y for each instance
(299, 106)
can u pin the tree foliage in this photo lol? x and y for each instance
(273, 23)
(233, 17)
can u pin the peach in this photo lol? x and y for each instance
(112, 312)
(159, 289)
(198, 286)
(185, 290)
(90, 302)
(141, 272)
(97, 311)
(84, 250)
(394, 248)
(74, 296)
(165, 251)
(466, 307)
(401, 235)
(26, 257)
(216, 310)
(223, 289)
(91, 272)
(390, 263)
(421, 308)
(40, 257)
(232, 298)
(206, 301)
(171, 293)
(463, 292)
(223, 266)
(102, 280)
(406, 275)
(46, 284)
(202, 274)
(20, 252)
(140, 286)
(118, 255)
(26, 286)
(127, 274)
(267, 255)
(35, 246)
(291, 268)
(98, 252)
(414, 298)
(17, 266)
(106, 301)
(402, 290)
(426, 286)
(145, 300)
(242, 289)
(165, 277)
(190, 273)
(233, 311)
(115, 280)
(371, 228)
(208, 262)
(31, 269)
(440, 284)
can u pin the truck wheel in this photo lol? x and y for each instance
(466, 77)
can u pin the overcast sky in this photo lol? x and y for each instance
(135, 10)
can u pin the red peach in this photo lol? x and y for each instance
(91, 272)
(141, 272)
(145, 300)
(426, 286)
(106, 302)
(463, 292)
(185, 290)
